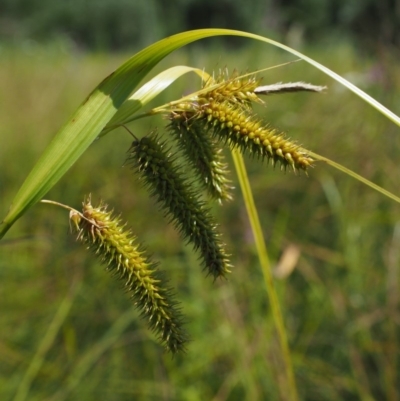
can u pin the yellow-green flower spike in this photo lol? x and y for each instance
(187, 212)
(116, 247)
(240, 128)
(225, 112)
(203, 154)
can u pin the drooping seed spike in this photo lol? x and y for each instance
(116, 247)
(183, 206)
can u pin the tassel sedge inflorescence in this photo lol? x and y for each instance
(225, 112)
(117, 248)
(187, 212)
(240, 128)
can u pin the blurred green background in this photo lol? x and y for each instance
(68, 331)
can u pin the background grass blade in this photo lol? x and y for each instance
(45, 345)
(92, 355)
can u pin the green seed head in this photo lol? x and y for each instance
(188, 213)
(117, 248)
(240, 128)
(225, 112)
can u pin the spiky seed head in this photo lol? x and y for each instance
(117, 248)
(225, 112)
(241, 128)
(152, 161)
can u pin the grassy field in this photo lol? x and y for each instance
(68, 332)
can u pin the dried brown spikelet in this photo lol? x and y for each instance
(203, 154)
(116, 247)
(240, 128)
(186, 211)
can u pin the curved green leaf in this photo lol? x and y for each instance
(147, 93)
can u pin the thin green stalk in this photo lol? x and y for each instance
(266, 269)
(358, 177)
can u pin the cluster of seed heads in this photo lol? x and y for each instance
(220, 114)
(225, 113)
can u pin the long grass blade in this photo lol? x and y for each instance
(44, 346)
(88, 359)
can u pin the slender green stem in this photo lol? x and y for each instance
(266, 269)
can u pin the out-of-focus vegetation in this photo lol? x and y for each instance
(118, 24)
(69, 332)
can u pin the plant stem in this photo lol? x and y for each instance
(266, 269)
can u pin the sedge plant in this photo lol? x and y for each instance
(178, 166)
